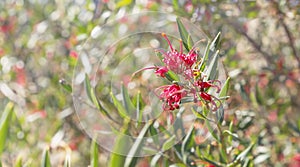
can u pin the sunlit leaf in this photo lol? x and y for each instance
(136, 147)
(225, 88)
(4, 124)
(121, 147)
(171, 76)
(121, 110)
(127, 103)
(122, 3)
(169, 143)
(243, 154)
(185, 36)
(154, 160)
(215, 43)
(18, 162)
(94, 154)
(46, 158)
(212, 68)
(65, 85)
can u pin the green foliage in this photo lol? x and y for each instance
(4, 124)
(45, 159)
(94, 154)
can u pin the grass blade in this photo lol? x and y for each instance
(185, 37)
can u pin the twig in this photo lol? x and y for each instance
(281, 15)
(266, 55)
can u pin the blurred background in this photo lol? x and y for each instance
(39, 42)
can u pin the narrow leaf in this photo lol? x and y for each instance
(120, 108)
(169, 143)
(243, 154)
(212, 67)
(211, 130)
(224, 89)
(46, 158)
(94, 154)
(4, 124)
(127, 103)
(187, 143)
(65, 85)
(215, 43)
(136, 147)
(18, 162)
(186, 39)
(121, 146)
(154, 160)
(171, 76)
(67, 162)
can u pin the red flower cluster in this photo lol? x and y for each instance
(179, 62)
(172, 95)
(185, 65)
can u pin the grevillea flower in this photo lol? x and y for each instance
(161, 71)
(171, 95)
(202, 87)
(179, 62)
(185, 65)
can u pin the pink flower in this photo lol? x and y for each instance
(179, 62)
(203, 86)
(171, 95)
(161, 71)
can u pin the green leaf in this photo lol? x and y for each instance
(198, 114)
(153, 132)
(18, 162)
(122, 3)
(212, 69)
(230, 129)
(220, 114)
(171, 76)
(94, 154)
(215, 43)
(175, 4)
(121, 110)
(205, 58)
(187, 143)
(154, 160)
(121, 146)
(169, 143)
(4, 124)
(92, 96)
(65, 85)
(211, 130)
(243, 154)
(225, 88)
(127, 103)
(46, 158)
(186, 38)
(136, 147)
